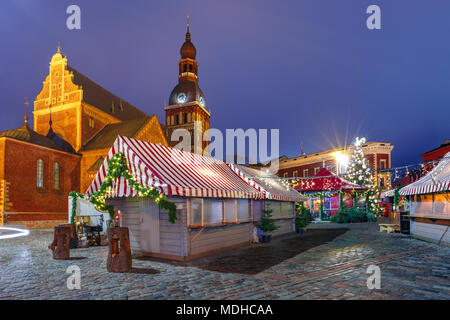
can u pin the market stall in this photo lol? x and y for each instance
(215, 207)
(327, 192)
(430, 203)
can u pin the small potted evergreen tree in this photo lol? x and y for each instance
(302, 218)
(266, 225)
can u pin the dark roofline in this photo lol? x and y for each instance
(445, 144)
(103, 99)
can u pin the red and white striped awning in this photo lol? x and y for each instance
(173, 172)
(265, 182)
(437, 180)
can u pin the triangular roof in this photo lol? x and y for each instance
(173, 172)
(25, 133)
(325, 180)
(437, 180)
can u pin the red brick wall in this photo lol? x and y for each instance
(310, 167)
(64, 123)
(24, 197)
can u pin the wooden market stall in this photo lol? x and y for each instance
(217, 205)
(430, 203)
(325, 190)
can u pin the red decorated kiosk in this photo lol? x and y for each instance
(325, 190)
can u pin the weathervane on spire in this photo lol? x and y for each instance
(25, 117)
(187, 22)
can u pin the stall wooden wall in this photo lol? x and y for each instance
(284, 226)
(215, 239)
(431, 232)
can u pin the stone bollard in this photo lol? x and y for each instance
(119, 257)
(61, 243)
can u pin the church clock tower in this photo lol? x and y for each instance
(187, 104)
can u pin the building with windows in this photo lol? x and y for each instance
(36, 174)
(335, 160)
(76, 121)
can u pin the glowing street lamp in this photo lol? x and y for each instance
(341, 160)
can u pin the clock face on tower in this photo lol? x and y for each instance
(201, 101)
(181, 98)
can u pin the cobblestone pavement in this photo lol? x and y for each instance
(410, 269)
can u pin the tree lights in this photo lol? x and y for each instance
(359, 171)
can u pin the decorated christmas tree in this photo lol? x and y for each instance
(358, 170)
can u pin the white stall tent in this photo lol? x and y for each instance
(430, 203)
(215, 206)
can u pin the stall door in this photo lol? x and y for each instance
(150, 226)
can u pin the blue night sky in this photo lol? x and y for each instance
(310, 68)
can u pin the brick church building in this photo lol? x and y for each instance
(76, 121)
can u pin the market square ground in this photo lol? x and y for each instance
(410, 269)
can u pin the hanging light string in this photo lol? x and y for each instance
(422, 165)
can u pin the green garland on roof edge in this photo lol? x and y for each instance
(329, 195)
(118, 167)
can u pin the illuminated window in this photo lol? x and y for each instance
(305, 172)
(383, 164)
(40, 173)
(285, 174)
(295, 173)
(316, 170)
(213, 212)
(56, 175)
(91, 122)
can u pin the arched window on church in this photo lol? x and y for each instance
(177, 119)
(40, 173)
(186, 118)
(56, 176)
(184, 68)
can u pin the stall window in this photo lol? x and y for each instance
(295, 173)
(229, 208)
(40, 173)
(305, 172)
(196, 212)
(212, 212)
(287, 209)
(243, 210)
(56, 176)
(280, 209)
